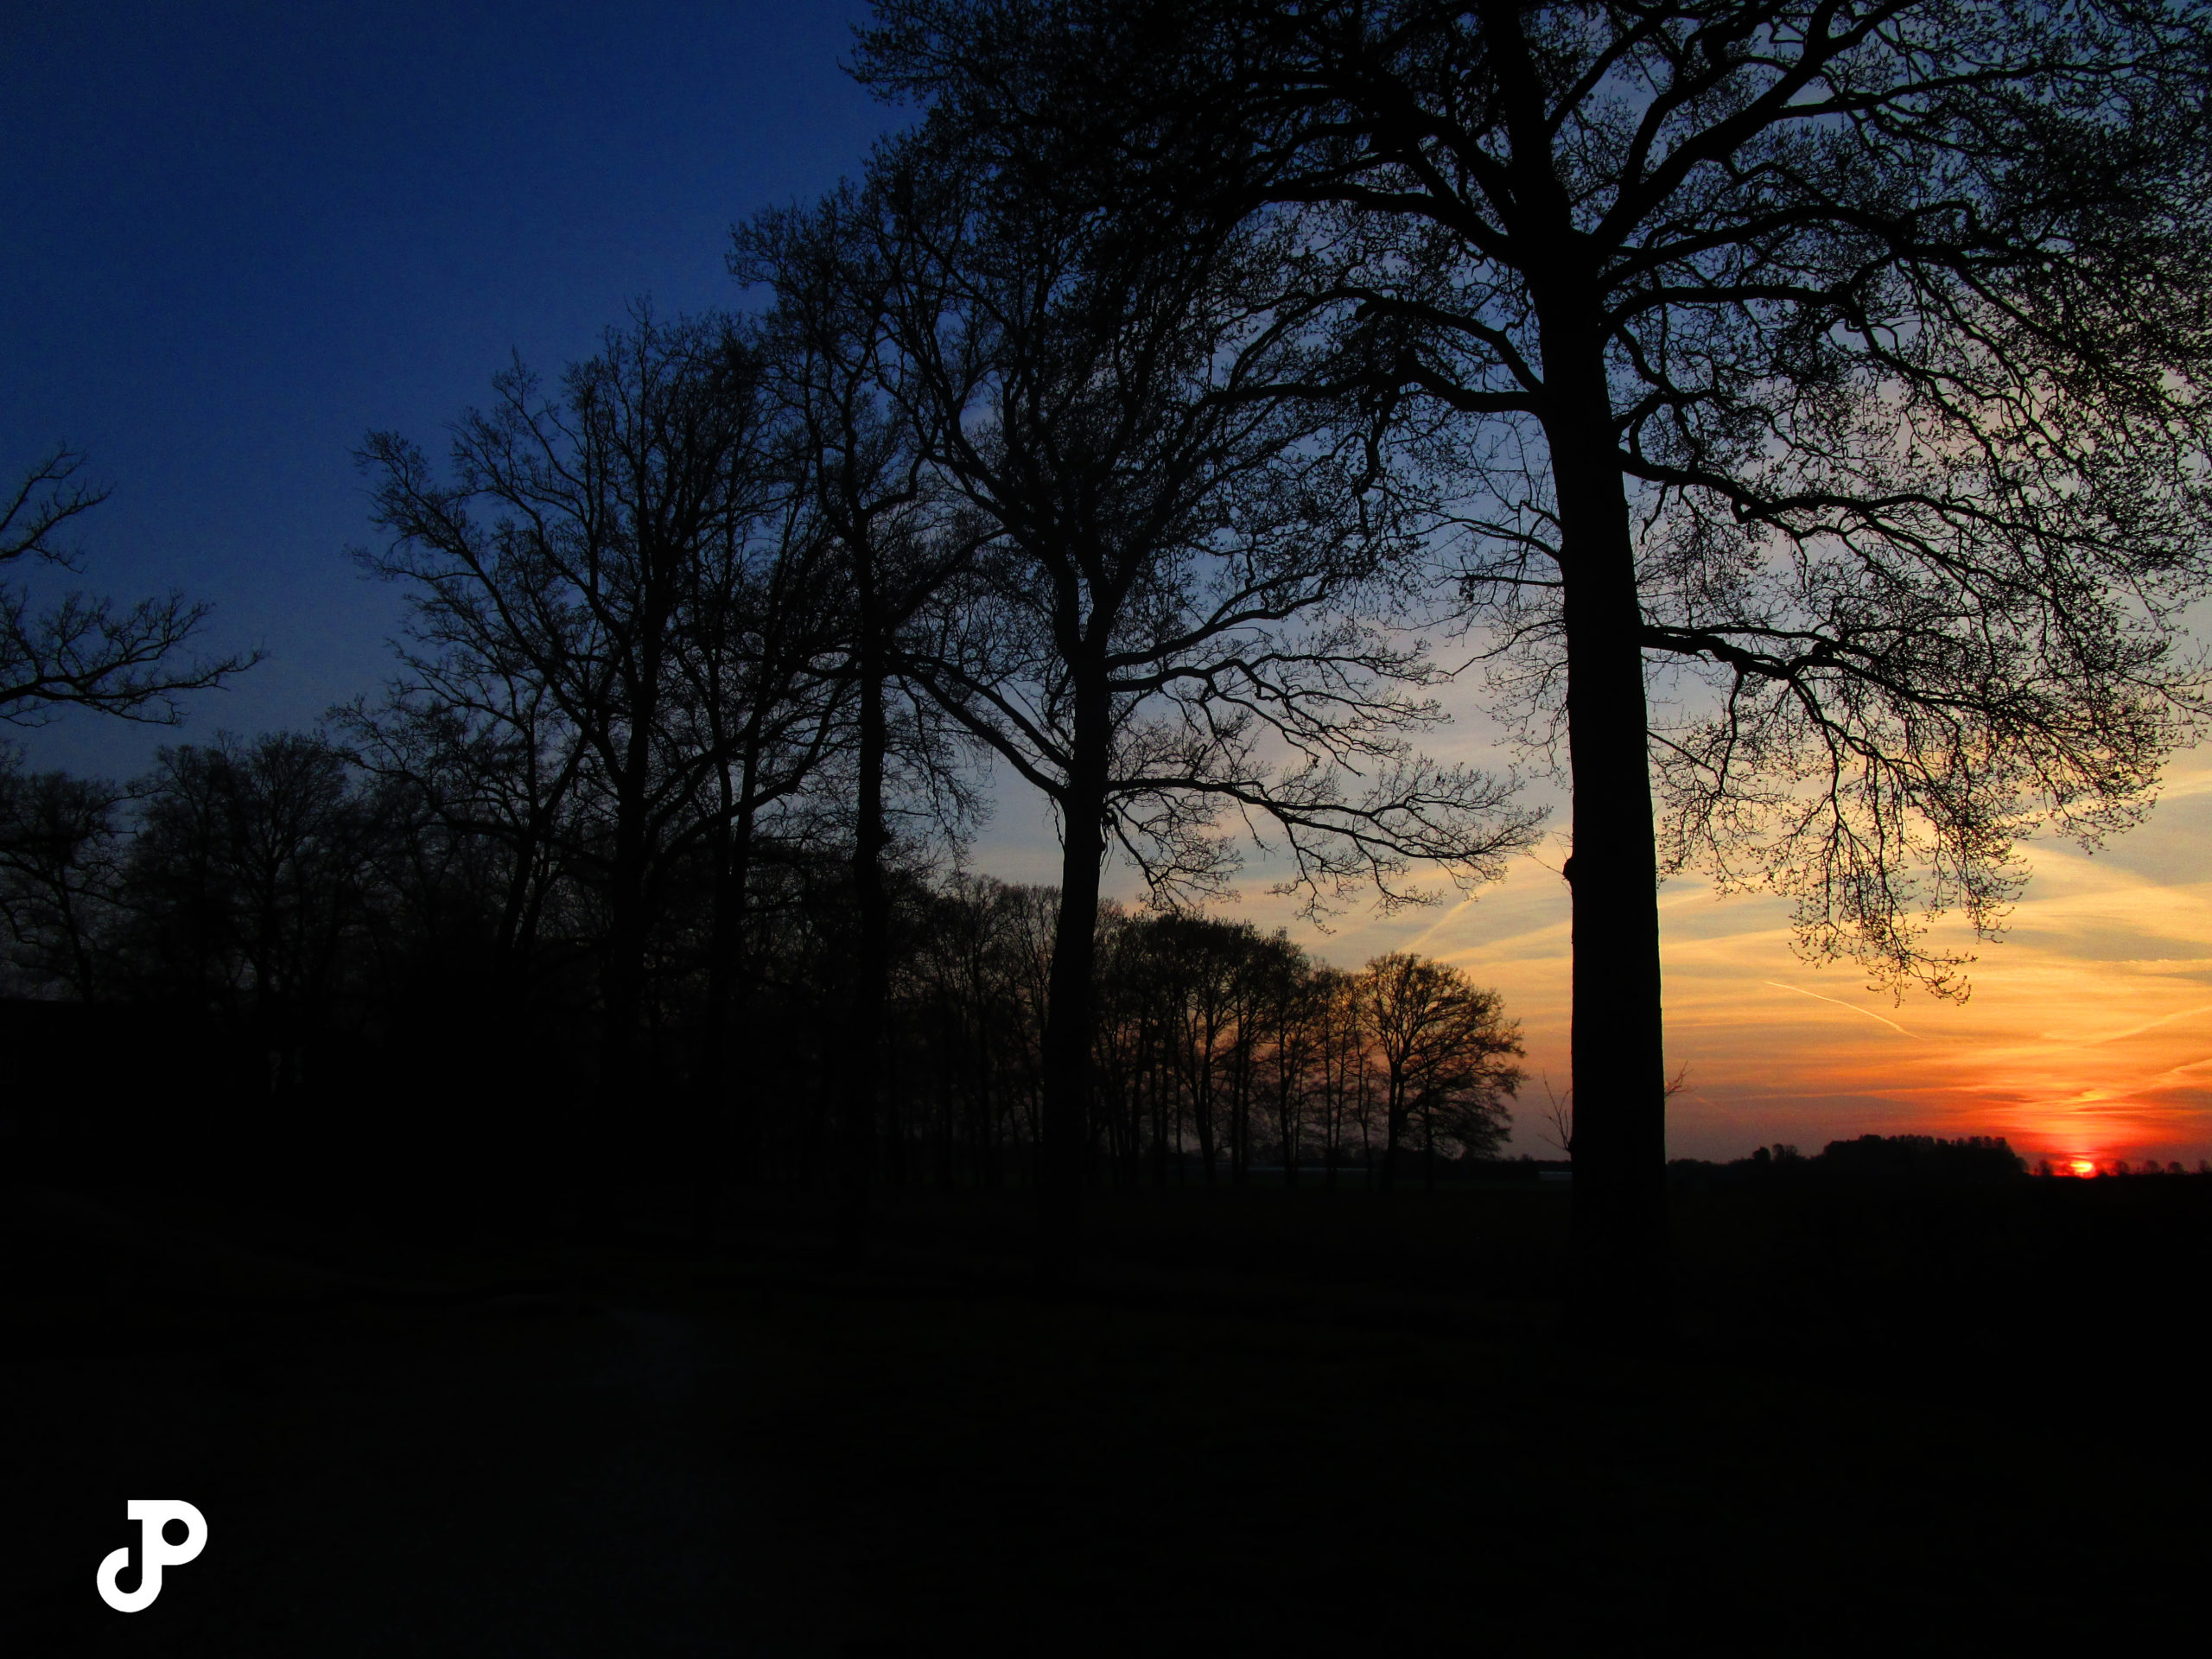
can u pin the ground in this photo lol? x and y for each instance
(1264, 1422)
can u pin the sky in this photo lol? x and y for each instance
(2086, 1035)
(240, 237)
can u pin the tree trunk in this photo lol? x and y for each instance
(871, 980)
(723, 1134)
(622, 987)
(1069, 1011)
(1394, 1126)
(1620, 1154)
(1617, 1044)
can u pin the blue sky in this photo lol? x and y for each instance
(240, 236)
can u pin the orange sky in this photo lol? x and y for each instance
(2088, 1032)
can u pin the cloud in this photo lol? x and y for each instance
(2080, 1037)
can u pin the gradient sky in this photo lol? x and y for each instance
(241, 236)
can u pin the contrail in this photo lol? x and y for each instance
(2136, 1031)
(1841, 1003)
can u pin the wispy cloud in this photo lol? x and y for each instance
(1841, 1003)
(2083, 1035)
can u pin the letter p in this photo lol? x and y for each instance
(155, 1551)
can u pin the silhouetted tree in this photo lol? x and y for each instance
(852, 280)
(248, 878)
(84, 651)
(1294, 1006)
(1341, 1052)
(1444, 1043)
(482, 745)
(1843, 362)
(624, 518)
(61, 846)
(1179, 575)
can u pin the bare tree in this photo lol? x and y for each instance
(1446, 1050)
(1296, 1010)
(625, 536)
(1181, 579)
(85, 651)
(1841, 363)
(60, 853)
(247, 877)
(1559, 1118)
(851, 279)
(1342, 1055)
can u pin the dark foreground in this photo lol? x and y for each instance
(1266, 1423)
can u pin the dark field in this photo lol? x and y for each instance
(1266, 1422)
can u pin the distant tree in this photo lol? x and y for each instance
(60, 849)
(1292, 1010)
(587, 547)
(1206, 962)
(1918, 1157)
(1446, 1050)
(246, 883)
(1341, 1051)
(482, 744)
(84, 652)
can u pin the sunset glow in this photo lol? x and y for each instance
(2086, 1039)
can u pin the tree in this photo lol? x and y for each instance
(86, 652)
(59, 860)
(1341, 1052)
(247, 878)
(1178, 575)
(1446, 1045)
(1841, 363)
(1295, 999)
(851, 280)
(630, 521)
(483, 744)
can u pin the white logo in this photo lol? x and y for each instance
(155, 1551)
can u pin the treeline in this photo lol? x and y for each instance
(1920, 1159)
(712, 643)
(341, 946)
(1877, 1159)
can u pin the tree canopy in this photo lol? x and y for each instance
(1817, 392)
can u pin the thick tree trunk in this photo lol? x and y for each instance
(1069, 1006)
(1618, 1053)
(1620, 1151)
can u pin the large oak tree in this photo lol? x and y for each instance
(1842, 364)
